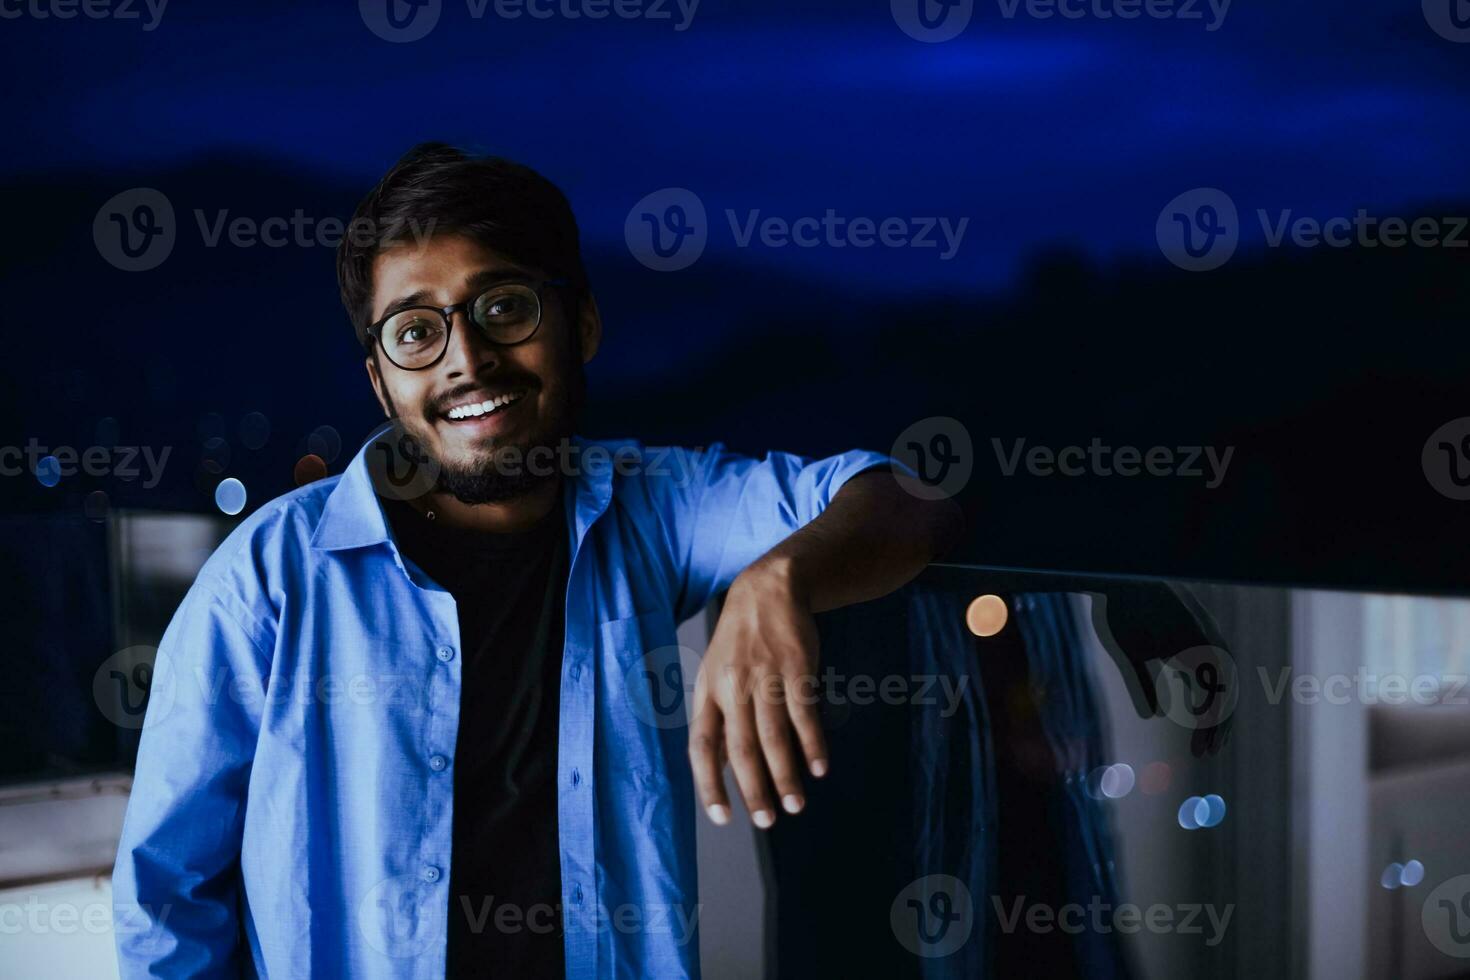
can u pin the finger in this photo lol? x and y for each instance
(706, 751)
(773, 725)
(801, 703)
(747, 759)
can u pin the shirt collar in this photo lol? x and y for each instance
(352, 516)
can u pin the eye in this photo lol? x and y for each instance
(508, 304)
(413, 329)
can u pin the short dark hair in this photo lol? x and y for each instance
(439, 189)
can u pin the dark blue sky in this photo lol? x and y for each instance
(1045, 136)
(1039, 131)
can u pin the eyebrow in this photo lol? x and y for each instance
(474, 282)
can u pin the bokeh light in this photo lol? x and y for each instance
(1117, 781)
(1156, 778)
(255, 430)
(987, 615)
(48, 471)
(216, 456)
(325, 442)
(309, 469)
(96, 506)
(1214, 811)
(229, 496)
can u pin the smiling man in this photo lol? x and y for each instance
(409, 729)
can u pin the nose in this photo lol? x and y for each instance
(468, 353)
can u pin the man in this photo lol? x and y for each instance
(406, 730)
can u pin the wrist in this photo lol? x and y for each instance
(774, 574)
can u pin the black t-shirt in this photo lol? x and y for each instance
(505, 866)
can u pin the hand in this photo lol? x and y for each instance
(1145, 626)
(754, 699)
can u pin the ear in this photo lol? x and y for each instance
(589, 326)
(376, 377)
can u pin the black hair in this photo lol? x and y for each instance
(437, 189)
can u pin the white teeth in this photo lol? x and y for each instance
(480, 408)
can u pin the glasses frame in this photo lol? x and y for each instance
(446, 313)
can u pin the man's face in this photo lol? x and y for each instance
(541, 377)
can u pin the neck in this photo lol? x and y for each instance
(501, 517)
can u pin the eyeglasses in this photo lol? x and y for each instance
(506, 313)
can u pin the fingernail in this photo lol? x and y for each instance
(763, 818)
(792, 803)
(819, 768)
(719, 814)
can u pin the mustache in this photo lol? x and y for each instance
(440, 404)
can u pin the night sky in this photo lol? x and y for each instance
(1056, 141)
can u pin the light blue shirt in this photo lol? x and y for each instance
(292, 807)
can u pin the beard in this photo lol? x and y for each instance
(508, 470)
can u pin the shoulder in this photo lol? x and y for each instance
(270, 544)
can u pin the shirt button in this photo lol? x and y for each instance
(445, 654)
(438, 763)
(577, 895)
(576, 673)
(576, 778)
(431, 873)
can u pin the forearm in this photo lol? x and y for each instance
(873, 538)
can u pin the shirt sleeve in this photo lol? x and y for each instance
(176, 885)
(723, 510)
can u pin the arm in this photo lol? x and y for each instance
(176, 893)
(754, 700)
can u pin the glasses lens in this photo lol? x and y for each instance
(414, 338)
(507, 314)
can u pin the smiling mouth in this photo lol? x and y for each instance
(466, 411)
